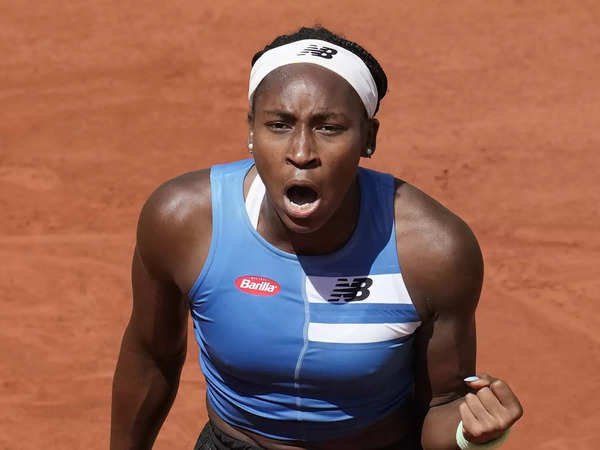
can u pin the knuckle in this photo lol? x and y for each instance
(477, 431)
(501, 424)
(470, 397)
(518, 413)
(472, 400)
(498, 384)
(484, 392)
(493, 424)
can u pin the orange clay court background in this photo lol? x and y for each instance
(493, 108)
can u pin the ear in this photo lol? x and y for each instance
(371, 143)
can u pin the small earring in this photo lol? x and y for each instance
(369, 152)
(250, 147)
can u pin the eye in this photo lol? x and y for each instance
(278, 126)
(330, 129)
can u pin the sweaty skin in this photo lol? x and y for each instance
(309, 127)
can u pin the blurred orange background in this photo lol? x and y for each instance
(493, 108)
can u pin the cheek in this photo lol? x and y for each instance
(345, 160)
(340, 176)
(271, 173)
(264, 168)
(269, 151)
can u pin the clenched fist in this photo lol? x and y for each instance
(489, 410)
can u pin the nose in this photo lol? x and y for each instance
(302, 152)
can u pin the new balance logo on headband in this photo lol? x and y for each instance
(323, 52)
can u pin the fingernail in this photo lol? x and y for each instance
(472, 379)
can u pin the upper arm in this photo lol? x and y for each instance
(446, 348)
(446, 343)
(158, 322)
(443, 269)
(173, 231)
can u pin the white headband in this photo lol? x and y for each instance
(325, 54)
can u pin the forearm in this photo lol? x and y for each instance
(143, 392)
(439, 427)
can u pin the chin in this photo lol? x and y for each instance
(302, 226)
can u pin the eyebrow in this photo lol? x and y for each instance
(318, 116)
(280, 113)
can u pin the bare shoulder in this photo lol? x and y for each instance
(439, 254)
(174, 228)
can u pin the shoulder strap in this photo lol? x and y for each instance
(254, 199)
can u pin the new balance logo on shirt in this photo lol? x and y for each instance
(385, 288)
(351, 289)
(322, 52)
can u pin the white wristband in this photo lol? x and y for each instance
(464, 444)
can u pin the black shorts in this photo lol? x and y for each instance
(212, 438)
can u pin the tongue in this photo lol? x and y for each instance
(301, 195)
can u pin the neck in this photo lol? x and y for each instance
(327, 239)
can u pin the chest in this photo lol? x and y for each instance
(267, 322)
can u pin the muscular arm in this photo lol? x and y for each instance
(152, 354)
(446, 344)
(443, 269)
(154, 343)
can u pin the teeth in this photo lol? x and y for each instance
(303, 205)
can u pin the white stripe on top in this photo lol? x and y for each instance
(254, 199)
(359, 333)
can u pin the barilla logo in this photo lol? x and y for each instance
(257, 285)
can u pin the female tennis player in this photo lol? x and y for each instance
(334, 306)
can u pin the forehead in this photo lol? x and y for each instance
(308, 82)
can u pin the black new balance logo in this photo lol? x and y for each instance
(351, 289)
(323, 52)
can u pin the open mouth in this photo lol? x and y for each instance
(301, 196)
(301, 200)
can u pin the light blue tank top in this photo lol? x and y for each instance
(299, 347)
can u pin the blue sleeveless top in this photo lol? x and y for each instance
(299, 347)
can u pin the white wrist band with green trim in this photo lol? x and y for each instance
(464, 444)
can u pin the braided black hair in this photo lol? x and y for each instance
(324, 34)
